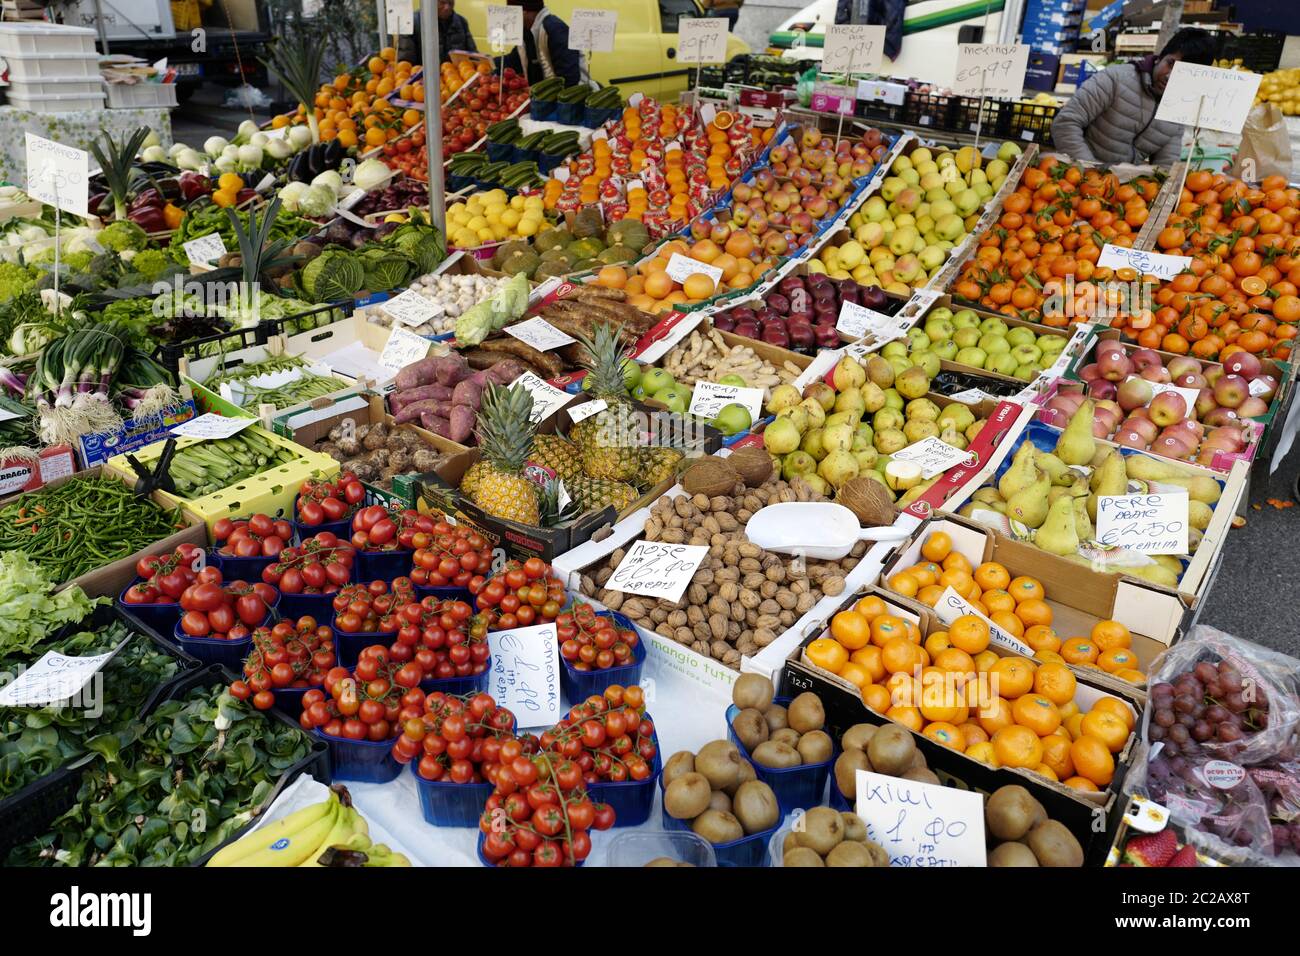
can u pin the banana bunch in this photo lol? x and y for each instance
(301, 838)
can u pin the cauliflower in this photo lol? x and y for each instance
(121, 235)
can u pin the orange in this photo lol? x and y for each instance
(855, 674)
(1046, 771)
(973, 733)
(924, 576)
(969, 633)
(899, 655)
(994, 715)
(902, 688)
(1132, 676)
(1055, 682)
(992, 576)
(937, 547)
(887, 627)
(913, 633)
(956, 661)
(828, 654)
(1117, 659)
(876, 697)
(869, 657)
(957, 579)
(1115, 706)
(658, 285)
(1018, 746)
(1092, 759)
(1037, 713)
(1081, 783)
(1049, 656)
(1008, 622)
(1024, 588)
(1106, 727)
(942, 732)
(984, 661)
(998, 600)
(973, 594)
(1034, 611)
(956, 562)
(698, 286)
(930, 566)
(1073, 725)
(1041, 638)
(983, 752)
(905, 584)
(612, 277)
(1079, 650)
(870, 606)
(1014, 675)
(936, 644)
(937, 700)
(1110, 634)
(909, 717)
(851, 629)
(1056, 754)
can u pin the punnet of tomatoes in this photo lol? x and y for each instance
(320, 565)
(376, 528)
(368, 608)
(539, 813)
(455, 556)
(327, 501)
(610, 737)
(259, 536)
(591, 642)
(367, 703)
(289, 654)
(1052, 228)
(437, 637)
(457, 738)
(490, 99)
(519, 595)
(1242, 289)
(224, 610)
(164, 577)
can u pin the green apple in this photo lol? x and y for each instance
(735, 380)
(638, 390)
(974, 357)
(994, 344)
(927, 360)
(966, 338)
(1009, 151)
(946, 351)
(1020, 335)
(733, 419)
(993, 324)
(1026, 354)
(1026, 373)
(1002, 363)
(965, 319)
(898, 347)
(656, 380)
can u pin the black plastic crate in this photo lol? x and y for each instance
(169, 356)
(932, 110)
(318, 316)
(1260, 50)
(1030, 121)
(880, 110)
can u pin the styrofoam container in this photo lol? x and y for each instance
(45, 38)
(58, 104)
(56, 86)
(125, 96)
(41, 66)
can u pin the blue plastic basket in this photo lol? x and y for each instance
(382, 565)
(348, 647)
(579, 685)
(288, 700)
(498, 152)
(458, 686)
(367, 761)
(211, 650)
(486, 862)
(747, 851)
(341, 529)
(632, 800)
(543, 110)
(548, 161)
(448, 593)
(570, 114)
(518, 155)
(319, 606)
(160, 617)
(240, 569)
(447, 804)
(457, 183)
(837, 800)
(796, 788)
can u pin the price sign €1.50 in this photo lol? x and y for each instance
(58, 175)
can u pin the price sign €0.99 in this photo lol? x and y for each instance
(701, 40)
(655, 569)
(991, 69)
(592, 31)
(505, 27)
(852, 48)
(1208, 97)
(57, 175)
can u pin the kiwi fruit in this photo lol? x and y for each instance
(719, 800)
(776, 718)
(847, 766)
(679, 763)
(718, 826)
(789, 843)
(750, 727)
(806, 713)
(801, 856)
(786, 735)
(752, 690)
(854, 827)
(923, 775)
(822, 830)
(815, 746)
(850, 853)
(1012, 854)
(719, 761)
(918, 761)
(776, 755)
(688, 796)
(662, 861)
(746, 774)
(891, 750)
(858, 736)
(1054, 845)
(877, 853)
(1009, 812)
(755, 807)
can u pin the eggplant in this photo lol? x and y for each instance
(338, 232)
(332, 156)
(293, 172)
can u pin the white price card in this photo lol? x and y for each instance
(1208, 97)
(525, 673)
(211, 426)
(1145, 263)
(709, 398)
(858, 320)
(1256, 388)
(57, 677)
(402, 348)
(971, 396)
(1152, 524)
(351, 199)
(540, 334)
(681, 326)
(560, 174)
(657, 569)
(922, 824)
(701, 40)
(822, 363)
(1189, 395)
(680, 268)
(411, 308)
(205, 250)
(547, 399)
(505, 27)
(991, 69)
(592, 31)
(952, 605)
(586, 410)
(265, 183)
(400, 16)
(58, 175)
(934, 455)
(853, 48)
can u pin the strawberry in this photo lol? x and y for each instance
(1184, 857)
(1155, 849)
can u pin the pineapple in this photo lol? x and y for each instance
(469, 481)
(505, 439)
(659, 464)
(593, 494)
(608, 440)
(558, 454)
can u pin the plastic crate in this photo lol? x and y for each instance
(747, 851)
(796, 788)
(40, 66)
(638, 848)
(43, 39)
(1030, 121)
(213, 650)
(348, 647)
(543, 111)
(632, 800)
(449, 593)
(382, 565)
(127, 96)
(486, 862)
(59, 86)
(57, 102)
(366, 761)
(161, 618)
(579, 685)
(340, 529)
(319, 606)
(458, 686)
(169, 355)
(446, 804)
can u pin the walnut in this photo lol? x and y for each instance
(749, 599)
(729, 592)
(718, 625)
(764, 636)
(683, 635)
(833, 585)
(805, 602)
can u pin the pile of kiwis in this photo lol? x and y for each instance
(717, 791)
(779, 737)
(1028, 837)
(889, 750)
(826, 837)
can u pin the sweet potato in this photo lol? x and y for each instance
(399, 400)
(451, 369)
(423, 372)
(463, 419)
(435, 423)
(503, 373)
(468, 392)
(414, 411)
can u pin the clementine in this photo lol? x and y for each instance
(1017, 746)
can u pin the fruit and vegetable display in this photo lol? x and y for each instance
(520, 595)
(457, 738)
(375, 453)
(290, 654)
(492, 98)
(320, 564)
(451, 294)
(281, 381)
(707, 357)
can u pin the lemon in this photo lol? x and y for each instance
(510, 218)
(478, 223)
(500, 231)
(527, 227)
(533, 202)
(485, 234)
(464, 239)
(517, 202)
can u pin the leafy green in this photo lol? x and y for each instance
(333, 276)
(123, 234)
(152, 264)
(15, 280)
(30, 608)
(385, 268)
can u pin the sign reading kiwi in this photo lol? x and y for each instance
(921, 824)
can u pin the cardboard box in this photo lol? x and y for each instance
(1041, 72)
(20, 474)
(97, 448)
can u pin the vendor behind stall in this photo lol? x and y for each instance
(1112, 117)
(453, 34)
(546, 47)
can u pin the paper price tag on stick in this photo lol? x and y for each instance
(526, 673)
(656, 569)
(400, 16)
(991, 69)
(1151, 524)
(922, 824)
(1208, 97)
(952, 605)
(403, 348)
(701, 40)
(211, 426)
(547, 399)
(852, 48)
(592, 30)
(205, 250)
(55, 677)
(540, 334)
(858, 320)
(411, 308)
(58, 175)
(505, 26)
(680, 268)
(934, 456)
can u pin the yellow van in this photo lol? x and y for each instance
(645, 51)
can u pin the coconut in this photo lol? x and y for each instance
(869, 500)
(710, 477)
(754, 465)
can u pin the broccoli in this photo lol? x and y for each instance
(152, 263)
(15, 280)
(121, 235)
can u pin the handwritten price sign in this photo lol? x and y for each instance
(505, 27)
(858, 320)
(851, 47)
(921, 824)
(934, 456)
(592, 30)
(709, 398)
(57, 175)
(701, 40)
(1144, 263)
(680, 268)
(1151, 524)
(991, 69)
(1208, 97)
(952, 605)
(526, 673)
(400, 16)
(547, 399)
(657, 570)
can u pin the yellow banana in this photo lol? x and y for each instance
(284, 828)
(342, 831)
(294, 849)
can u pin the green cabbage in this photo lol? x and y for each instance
(385, 269)
(474, 324)
(333, 276)
(510, 300)
(317, 201)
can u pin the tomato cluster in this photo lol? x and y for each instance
(320, 565)
(590, 642)
(376, 528)
(609, 737)
(365, 704)
(290, 654)
(368, 608)
(260, 536)
(456, 556)
(165, 576)
(519, 595)
(439, 638)
(224, 611)
(322, 501)
(458, 739)
(539, 814)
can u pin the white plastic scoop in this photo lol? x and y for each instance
(815, 529)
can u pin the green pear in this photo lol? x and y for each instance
(812, 444)
(1155, 573)
(1077, 445)
(1199, 515)
(988, 496)
(1021, 474)
(1111, 478)
(1058, 534)
(950, 436)
(1029, 504)
(1082, 520)
(1056, 469)
(873, 397)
